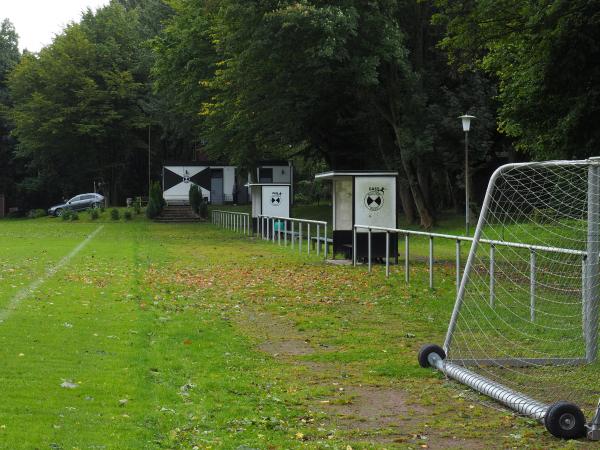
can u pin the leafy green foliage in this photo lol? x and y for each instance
(9, 57)
(195, 198)
(156, 201)
(546, 58)
(83, 105)
(94, 215)
(127, 215)
(114, 214)
(365, 75)
(37, 213)
(203, 209)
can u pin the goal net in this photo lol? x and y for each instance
(526, 315)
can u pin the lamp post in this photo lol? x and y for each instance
(466, 125)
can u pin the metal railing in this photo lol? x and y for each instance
(283, 229)
(533, 250)
(232, 220)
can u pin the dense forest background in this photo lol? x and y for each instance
(328, 83)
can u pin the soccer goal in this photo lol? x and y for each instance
(524, 329)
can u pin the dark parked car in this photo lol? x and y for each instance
(77, 203)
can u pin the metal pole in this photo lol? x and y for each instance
(293, 241)
(279, 232)
(533, 269)
(492, 275)
(593, 248)
(308, 237)
(406, 256)
(285, 233)
(430, 262)
(369, 257)
(520, 403)
(471, 258)
(467, 182)
(354, 249)
(457, 264)
(318, 240)
(326, 243)
(149, 162)
(299, 237)
(273, 230)
(387, 254)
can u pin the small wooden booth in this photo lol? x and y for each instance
(362, 197)
(269, 199)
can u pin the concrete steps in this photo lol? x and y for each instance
(177, 214)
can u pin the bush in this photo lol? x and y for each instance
(156, 202)
(151, 209)
(36, 213)
(94, 214)
(127, 215)
(195, 198)
(66, 214)
(114, 214)
(74, 216)
(203, 210)
(137, 205)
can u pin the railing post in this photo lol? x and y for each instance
(285, 233)
(308, 237)
(300, 237)
(533, 269)
(406, 257)
(457, 264)
(369, 254)
(326, 242)
(278, 232)
(273, 221)
(318, 240)
(354, 249)
(293, 240)
(492, 275)
(387, 253)
(430, 262)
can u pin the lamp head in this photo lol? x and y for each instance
(466, 122)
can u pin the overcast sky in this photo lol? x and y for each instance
(38, 21)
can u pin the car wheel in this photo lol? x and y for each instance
(58, 212)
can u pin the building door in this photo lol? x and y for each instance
(265, 175)
(216, 186)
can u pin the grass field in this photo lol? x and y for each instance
(187, 336)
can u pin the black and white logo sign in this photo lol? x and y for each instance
(275, 198)
(374, 198)
(186, 177)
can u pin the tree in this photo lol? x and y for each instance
(545, 56)
(9, 57)
(84, 104)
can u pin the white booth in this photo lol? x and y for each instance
(269, 199)
(363, 198)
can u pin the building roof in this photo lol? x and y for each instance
(355, 173)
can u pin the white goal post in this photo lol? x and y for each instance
(524, 327)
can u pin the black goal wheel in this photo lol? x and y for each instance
(427, 350)
(565, 421)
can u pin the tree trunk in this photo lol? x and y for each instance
(427, 219)
(408, 206)
(424, 178)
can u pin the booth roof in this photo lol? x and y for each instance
(266, 184)
(355, 173)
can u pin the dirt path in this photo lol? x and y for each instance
(375, 414)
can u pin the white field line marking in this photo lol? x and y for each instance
(26, 292)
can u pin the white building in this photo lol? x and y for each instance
(219, 183)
